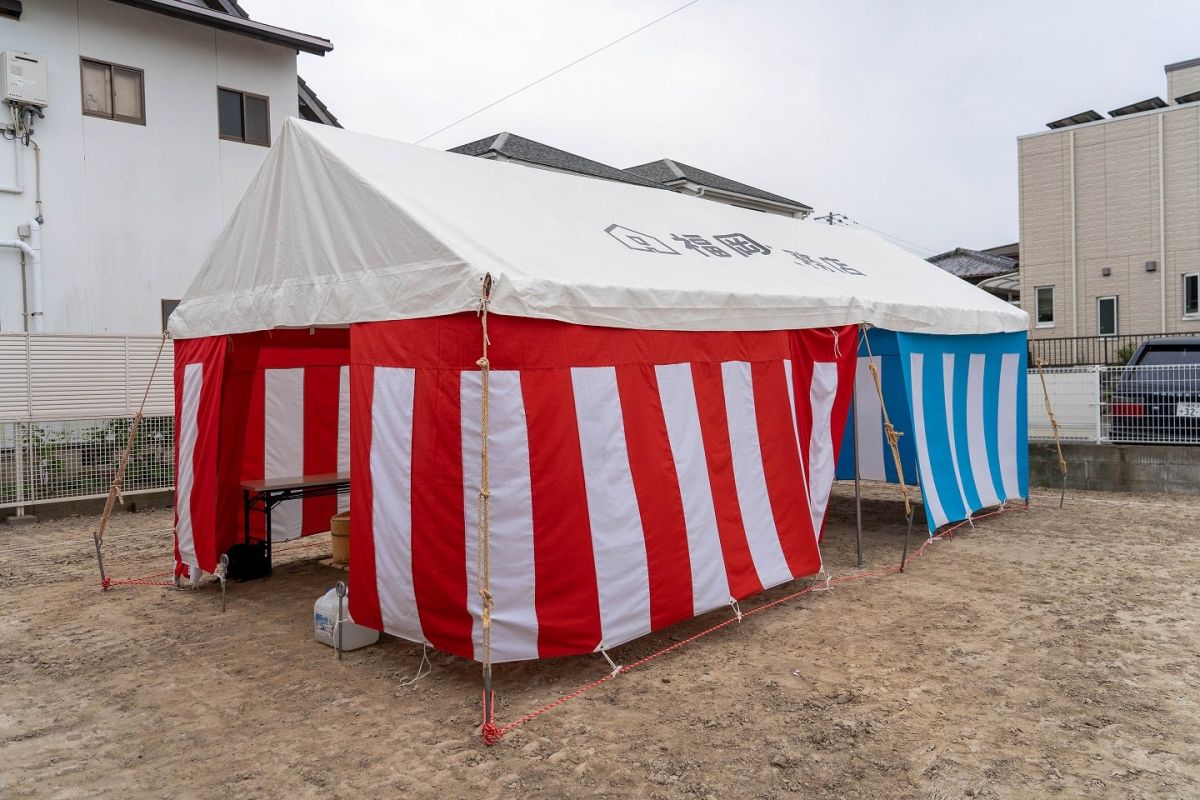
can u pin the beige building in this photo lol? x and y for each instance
(1110, 217)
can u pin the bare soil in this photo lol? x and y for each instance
(1044, 654)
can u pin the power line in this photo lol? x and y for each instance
(563, 68)
(834, 218)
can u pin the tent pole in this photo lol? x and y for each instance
(912, 512)
(857, 484)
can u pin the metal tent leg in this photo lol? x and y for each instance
(857, 486)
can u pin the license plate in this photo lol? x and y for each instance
(1187, 409)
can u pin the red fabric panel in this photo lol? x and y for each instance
(321, 384)
(714, 427)
(247, 410)
(781, 466)
(453, 342)
(565, 593)
(656, 486)
(364, 592)
(438, 527)
(211, 353)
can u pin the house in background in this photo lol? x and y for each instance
(149, 117)
(663, 174)
(987, 269)
(1110, 217)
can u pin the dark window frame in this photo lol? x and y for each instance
(1116, 315)
(243, 94)
(1037, 302)
(167, 306)
(112, 100)
(1195, 312)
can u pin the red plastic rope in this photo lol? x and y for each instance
(145, 580)
(493, 733)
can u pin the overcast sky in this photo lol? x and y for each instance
(901, 115)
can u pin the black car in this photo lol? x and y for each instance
(1156, 397)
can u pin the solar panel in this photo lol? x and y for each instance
(1191, 97)
(1077, 119)
(1149, 104)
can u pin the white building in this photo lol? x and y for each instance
(157, 115)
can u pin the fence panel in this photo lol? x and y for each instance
(1151, 404)
(1075, 398)
(76, 459)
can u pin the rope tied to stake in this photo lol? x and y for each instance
(889, 430)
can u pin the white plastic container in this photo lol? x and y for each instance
(325, 624)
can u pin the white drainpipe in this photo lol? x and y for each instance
(33, 272)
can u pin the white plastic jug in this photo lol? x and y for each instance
(325, 624)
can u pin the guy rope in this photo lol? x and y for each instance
(483, 552)
(1062, 461)
(114, 489)
(893, 439)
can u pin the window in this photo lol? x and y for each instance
(112, 91)
(244, 117)
(1191, 295)
(1044, 299)
(1106, 315)
(167, 306)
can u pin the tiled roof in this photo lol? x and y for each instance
(668, 171)
(969, 264)
(519, 148)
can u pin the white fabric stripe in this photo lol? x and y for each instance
(1006, 431)
(933, 505)
(391, 500)
(618, 542)
(514, 619)
(868, 418)
(470, 384)
(189, 423)
(948, 397)
(343, 442)
(821, 394)
(789, 378)
(710, 586)
(749, 476)
(976, 432)
(283, 445)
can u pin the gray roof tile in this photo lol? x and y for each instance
(519, 148)
(969, 264)
(668, 171)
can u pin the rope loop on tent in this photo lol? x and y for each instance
(889, 430)
(1062, 461)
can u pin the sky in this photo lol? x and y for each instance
(903, 116)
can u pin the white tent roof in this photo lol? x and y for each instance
(340, 227)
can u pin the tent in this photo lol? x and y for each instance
(577, 410)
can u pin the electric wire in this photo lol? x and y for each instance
(561, 69)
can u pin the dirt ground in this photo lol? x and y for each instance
(1048, 653)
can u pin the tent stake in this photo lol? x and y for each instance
(341, 594)
(100, 561)
(907, 536)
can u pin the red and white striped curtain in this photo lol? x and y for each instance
(252, 406)
(638, 478)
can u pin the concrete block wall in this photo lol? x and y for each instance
(1169, 469)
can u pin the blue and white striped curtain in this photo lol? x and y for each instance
(960, 403)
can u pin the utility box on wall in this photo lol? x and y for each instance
(24, 78)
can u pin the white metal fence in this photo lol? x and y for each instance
(67, 401)
(1148, 404)
(66, 404)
